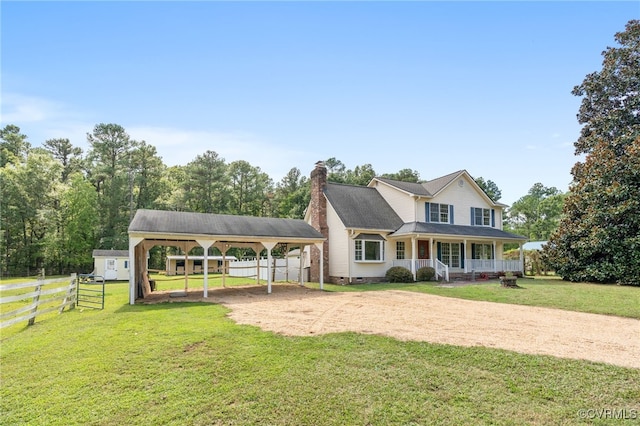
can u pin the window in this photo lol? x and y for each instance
(369, 250)
(450, 253)
(126, 264)
(480, 217)
(400, 250)
(482, 251)
(439, 212)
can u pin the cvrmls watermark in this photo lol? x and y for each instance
(609, 413)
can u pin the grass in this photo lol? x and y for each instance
(187, 363)
(616, 300)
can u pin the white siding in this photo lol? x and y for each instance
(373, 269)
(463, 198)
(122, 268)
(338, 245)
(401, 202)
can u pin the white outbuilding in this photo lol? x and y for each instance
(111, 265)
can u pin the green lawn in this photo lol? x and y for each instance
(186, 363)
(622, 301)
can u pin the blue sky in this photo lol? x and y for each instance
(431, 86)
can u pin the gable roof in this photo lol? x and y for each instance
(361, 207)
(110, 253)
(458, 230)
(432, 187)
(410, 187)
(436, 185)
(425, 189)
(220, 225)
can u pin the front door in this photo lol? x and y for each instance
(110, 269)
(423, 249)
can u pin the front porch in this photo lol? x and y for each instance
(491, 267)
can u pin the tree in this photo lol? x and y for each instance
(29, 190)
(69, 156)
(404, 175)
(13, 145)
(69, 246)
(490, 188)
(537, 214)
(109, 167)
(147, 170)
(250, 189)
(205, 186)
(292, 195)
(361, 175)
(599, 235)
(336, 170)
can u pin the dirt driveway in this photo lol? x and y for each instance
(405, 315)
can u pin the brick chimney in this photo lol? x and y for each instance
(318, 216)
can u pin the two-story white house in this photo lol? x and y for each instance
(448, 223)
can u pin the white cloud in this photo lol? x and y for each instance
(18, 108)
(179, 147)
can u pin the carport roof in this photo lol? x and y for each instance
(220, 226)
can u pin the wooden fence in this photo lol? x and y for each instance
(44, 298)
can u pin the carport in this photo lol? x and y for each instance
(187, 230)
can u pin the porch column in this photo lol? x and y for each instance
(521, 258)
(269, 246)
(495, 257)
(414, 249)
(464, 254)
(433, 263)
(205, 244)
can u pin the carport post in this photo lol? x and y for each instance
(269, 246)
(320, 247)
(133, 242)
(205, 244)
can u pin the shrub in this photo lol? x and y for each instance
(426, 273)
(399, 274)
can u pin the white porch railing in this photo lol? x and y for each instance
(477, 265)
(442, 270)
(492, 265)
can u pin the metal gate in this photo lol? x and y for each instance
(90, 292)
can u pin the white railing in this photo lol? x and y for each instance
(442, 270)
(492, 265)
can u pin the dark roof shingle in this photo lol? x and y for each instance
(458, 230)
(361, 207)
(172, 222)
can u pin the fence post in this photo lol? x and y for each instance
(36, 299)
(70, 294)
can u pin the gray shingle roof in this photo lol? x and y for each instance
(458, 230)
(436, 185)
(171, 222)
(362, 207)
(425, 189)
(113, 253)
(410, 187)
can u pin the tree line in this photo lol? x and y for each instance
(59, 203)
